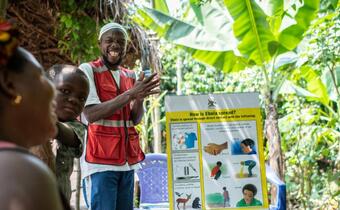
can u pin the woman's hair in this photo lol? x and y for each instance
(248, 142)
(250, 187)
(11, 57)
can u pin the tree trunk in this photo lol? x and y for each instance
(274, 141)
(179, 76)
(156, 115)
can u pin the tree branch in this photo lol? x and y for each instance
(11, 9)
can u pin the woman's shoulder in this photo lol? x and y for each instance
(26, 181)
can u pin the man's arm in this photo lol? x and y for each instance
(142, 88)
(105, 109)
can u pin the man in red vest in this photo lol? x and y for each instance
(114, 106)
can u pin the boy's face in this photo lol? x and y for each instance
(112, 46)
(248, 196)
(245, 149)
(72, 92)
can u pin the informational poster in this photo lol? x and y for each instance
(215, 157)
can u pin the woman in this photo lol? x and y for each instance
(27, 119)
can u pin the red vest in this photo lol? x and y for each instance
(113, 140)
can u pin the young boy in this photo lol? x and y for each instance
(72, 91)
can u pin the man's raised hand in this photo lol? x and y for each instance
(145, 86)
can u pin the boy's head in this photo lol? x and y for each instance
(219, 163)
(246, 145)
(113, 42)
(224, 188)
(72, 90)
(249, 191)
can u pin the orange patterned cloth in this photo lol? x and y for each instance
(8, 40)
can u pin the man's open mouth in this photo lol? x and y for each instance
(114, 53)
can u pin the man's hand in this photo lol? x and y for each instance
(145, 86)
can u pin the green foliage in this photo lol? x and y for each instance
(77, 31)
(310, 123)
(292, 35)
(250, 27)
(197, 78)
(212, 43)
(311, 145)
(161, 6)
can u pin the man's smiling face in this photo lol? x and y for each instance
(112, 46)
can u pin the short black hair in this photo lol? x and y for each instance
(248, 142)
(219, 163)
(54, 71)
(250, 187)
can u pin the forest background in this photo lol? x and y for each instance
(286, 50)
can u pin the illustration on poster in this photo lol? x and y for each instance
(251, 164)
(226, 197)
(216, 171)
(187, 171)
(215, 149)
(196, 203)
(249, 191)
(244, 147)
(184, 141)
(182, 201)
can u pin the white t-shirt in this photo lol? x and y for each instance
(90, 168)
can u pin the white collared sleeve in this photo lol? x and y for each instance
(93, 96)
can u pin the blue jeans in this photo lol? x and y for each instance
(109, 190)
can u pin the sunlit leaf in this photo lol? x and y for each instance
(251, 28)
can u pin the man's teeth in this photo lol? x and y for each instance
(113, 53)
